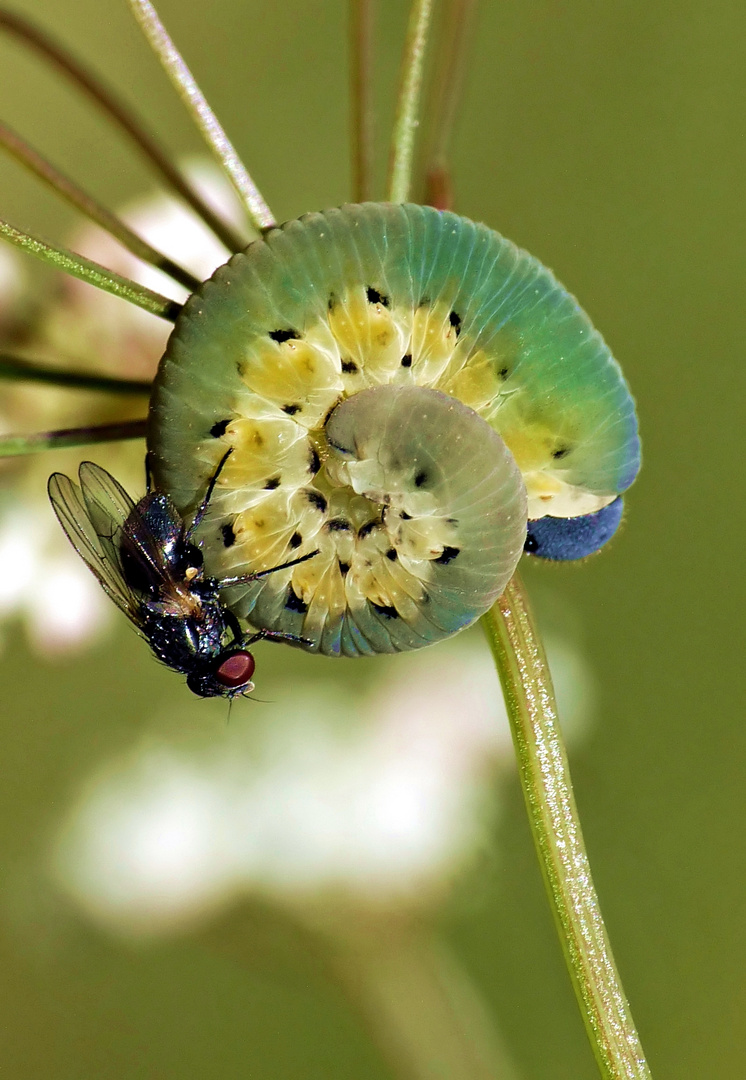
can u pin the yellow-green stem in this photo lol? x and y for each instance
(219, 144)
(407, 111)
(547, 788)
(87, 270)
(83, 201)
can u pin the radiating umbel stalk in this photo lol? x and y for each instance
(407, 111)
(182, 79)
(83, 201)
(16, 445)
(95, 274)
(36, 39)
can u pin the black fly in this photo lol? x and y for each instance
(145, 559)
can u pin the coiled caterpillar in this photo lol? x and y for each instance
(325, 356)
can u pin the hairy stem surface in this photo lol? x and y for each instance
(92, 272)
(407, 111)
(215, 137)
(547, 788)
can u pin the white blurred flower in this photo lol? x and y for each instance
(46, 583)
(316, 804)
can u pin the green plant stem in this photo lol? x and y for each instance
(36, 39)
(547, 788)
(24, 153)
(445, 95)
(407, 111)
(86, 270)
(17, 445)
(13, 367)
(361, 41)
(215, 137)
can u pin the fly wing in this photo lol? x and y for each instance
(125, 532)
(94, 536)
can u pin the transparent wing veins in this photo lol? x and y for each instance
(117, 521)
(97, 552)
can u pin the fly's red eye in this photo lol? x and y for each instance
(236, 670)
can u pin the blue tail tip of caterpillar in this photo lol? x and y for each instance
(566, 539)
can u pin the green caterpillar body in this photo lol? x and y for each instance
(307, 355)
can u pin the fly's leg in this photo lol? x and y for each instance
(246, 579)
(202, 508)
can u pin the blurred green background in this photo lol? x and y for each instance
(607, 139)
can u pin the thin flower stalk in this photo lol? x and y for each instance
(547, 788)
(361, 50)
(20, 370)
(92, 208)
(18, 445)
(408, 106)
(445, 98)
(208, 124)
(14, 24)
(86, 270)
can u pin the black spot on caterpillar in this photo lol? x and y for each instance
(294, 602)
(367, 529)
(387, 612)
(449, 554)
(374, 297)
(281, 336)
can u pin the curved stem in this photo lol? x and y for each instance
(92, 272)
(361, 40)
(407, 110)
(419, 1004)
(218, 142)
(547, 788)
(14, 367)
(16, 445)
(24, 153)
(36, 39)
